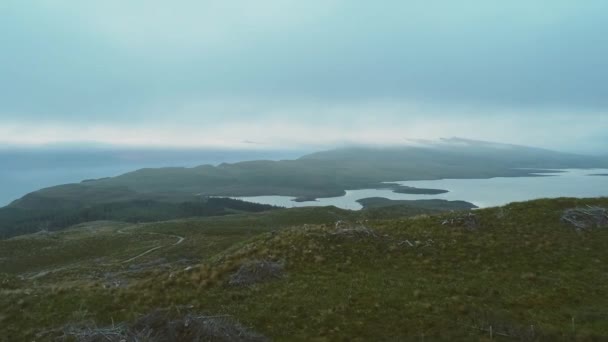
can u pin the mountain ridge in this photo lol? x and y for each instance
(321, 174)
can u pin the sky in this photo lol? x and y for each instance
(273, 74)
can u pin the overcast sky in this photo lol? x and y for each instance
(267, 74)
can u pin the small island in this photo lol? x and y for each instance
(305, 199)
(400, 189)
(418, 191)
(599, 174)
(430, 204)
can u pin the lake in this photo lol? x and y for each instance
(481, 192)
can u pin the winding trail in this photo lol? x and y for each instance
(45, 272)
(180, 239)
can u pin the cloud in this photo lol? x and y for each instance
(185, 25)
(303, 72)
(321, 125)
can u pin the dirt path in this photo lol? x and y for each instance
(180, 239)
(43, 273)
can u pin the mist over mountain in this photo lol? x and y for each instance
(453, 150)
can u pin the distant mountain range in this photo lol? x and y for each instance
(321, 174)
(153, 194)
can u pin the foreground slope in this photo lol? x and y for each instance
(518, 270)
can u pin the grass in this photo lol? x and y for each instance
(518, 269)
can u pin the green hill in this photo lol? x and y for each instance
(322, 174)
(519, 272)
(56, 216)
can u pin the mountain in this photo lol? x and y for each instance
(321, 174)
(440, 154)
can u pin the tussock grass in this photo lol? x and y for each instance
(521, 273)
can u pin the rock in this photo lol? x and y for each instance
(586, 218)
(344, 229)
(469, 221)
(256, 271)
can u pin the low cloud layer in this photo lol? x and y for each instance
(304, 125)
(314, 73)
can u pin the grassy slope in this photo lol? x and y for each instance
(519, 267)
(19, 221)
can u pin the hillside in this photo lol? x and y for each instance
(322, 174)
(149, 195)
(519, 271)
(56, 216)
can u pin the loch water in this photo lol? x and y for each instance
(481, 192)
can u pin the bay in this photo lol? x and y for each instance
(481, 192)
